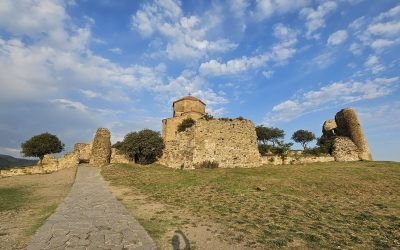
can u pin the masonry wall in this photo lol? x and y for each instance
(170, 125)
(231, 143)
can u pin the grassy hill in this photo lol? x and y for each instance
(323, 205)
(7, 161)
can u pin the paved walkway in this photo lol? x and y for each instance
(91, 218)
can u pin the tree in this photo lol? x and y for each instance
(303, 137)
(282, 149)
(265, 134)
(143, 147)
(40, 145)
(186, 123)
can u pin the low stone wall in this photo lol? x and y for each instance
(84, 151)
(118, 158)
(295, 157)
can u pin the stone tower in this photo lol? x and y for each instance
(185, 107)
(101, 148)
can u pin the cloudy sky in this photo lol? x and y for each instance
(68, 67)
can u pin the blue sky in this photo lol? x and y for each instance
(68, 67)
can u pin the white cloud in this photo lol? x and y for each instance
(315, 18)
(267, 8)
(379, 33)
(279, 53)
(337, 38)
(186, 35)
(116, 50)
(338, 93)
(372, 64)
(268, 74)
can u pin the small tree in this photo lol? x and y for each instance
(265, 134)
(40, 145)
(143, 147)
(282, 149)
(186, 123)
(303, 137)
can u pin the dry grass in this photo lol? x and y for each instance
(27, 201)
(329, 205)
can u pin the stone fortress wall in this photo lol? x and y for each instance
(230, 143)
(97, 153)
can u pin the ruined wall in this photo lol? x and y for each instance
(344, 149)
(349, 126)
(68, 160)
(84, 151)
(118, 158)
(231, 143)
(295, 158)
(101, 148)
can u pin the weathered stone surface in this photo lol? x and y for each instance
(349, 126)
(344, 149)
(68, 160)
(118, 158)
(329, 128)
(84, 151)
(50, 163)
(101, 148)
(295, 157)
(231, 143)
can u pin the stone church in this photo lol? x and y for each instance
(228, 142)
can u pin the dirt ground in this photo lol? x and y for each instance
(43, 194)
(173, 227)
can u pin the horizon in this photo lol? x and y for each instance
(70, 67)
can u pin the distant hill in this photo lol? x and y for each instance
(7, 161)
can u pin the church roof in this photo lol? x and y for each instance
(189, 97)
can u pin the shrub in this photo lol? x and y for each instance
(265, 149)
(143, 147)
(282, 149)
(240, 118)
(186, 123)
(208, 117)
(40, 145)
(206, 164)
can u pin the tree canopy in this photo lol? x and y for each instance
(303, 137)
(40, 145)
(143, 147)
(266, 134)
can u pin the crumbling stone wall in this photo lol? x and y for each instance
(84, 151)
(349, 142)
(101, 148)
(349, 126)
(118, 158)
(231, 143)
(70, 159)
(295, 157)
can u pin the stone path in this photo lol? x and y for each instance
(90, 217)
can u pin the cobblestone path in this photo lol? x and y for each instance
(90, 217)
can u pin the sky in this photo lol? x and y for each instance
(69, 67)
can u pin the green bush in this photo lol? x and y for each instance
(186, 123)
(143, 147)
(206, 164)
(265, 149)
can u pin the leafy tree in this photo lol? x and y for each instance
(186, 123)
(303, 137)
(40, 145)
(143, 147)
(265, 134)
(282, 149)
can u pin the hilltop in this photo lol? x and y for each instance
(7, 161)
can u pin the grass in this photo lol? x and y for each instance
(13, 197)
(44, 213)
(322, 205)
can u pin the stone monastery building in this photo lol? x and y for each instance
(229, 142)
